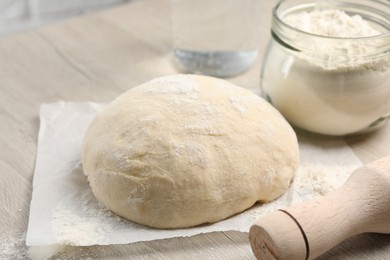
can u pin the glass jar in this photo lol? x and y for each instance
(216, 37)
(329, 85)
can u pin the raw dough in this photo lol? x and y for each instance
(183, 150)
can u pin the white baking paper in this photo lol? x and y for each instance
(64, 211)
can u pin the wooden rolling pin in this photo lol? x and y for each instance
(307, 230)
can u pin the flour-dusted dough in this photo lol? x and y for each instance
(183, 150)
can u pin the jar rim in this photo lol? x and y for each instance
(279, 21)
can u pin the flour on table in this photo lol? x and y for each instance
(12, 247)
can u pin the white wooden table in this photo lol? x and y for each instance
(95, 58)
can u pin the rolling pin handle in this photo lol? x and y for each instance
(307, 230)
(265, 237)
(307, 246)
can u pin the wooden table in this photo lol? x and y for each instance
(97, 57)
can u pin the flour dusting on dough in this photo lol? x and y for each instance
(170, 85)
(203, 130)
(192, 152)
(238, 104)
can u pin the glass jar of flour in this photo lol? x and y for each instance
(327, 67)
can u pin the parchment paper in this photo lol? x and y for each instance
(64, 211)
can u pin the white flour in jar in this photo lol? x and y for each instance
(326, 93)
(331, 22)
(334, 23)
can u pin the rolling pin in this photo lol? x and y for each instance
(307, 230)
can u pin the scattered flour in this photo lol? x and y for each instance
(45, 252)
(85, 226)
(312, 180)
(72, 227)
(12, 247)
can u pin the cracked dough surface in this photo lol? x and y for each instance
(184, 150)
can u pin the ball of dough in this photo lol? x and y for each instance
(183, 150)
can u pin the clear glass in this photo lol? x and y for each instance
(216, 37)
(321, 88)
